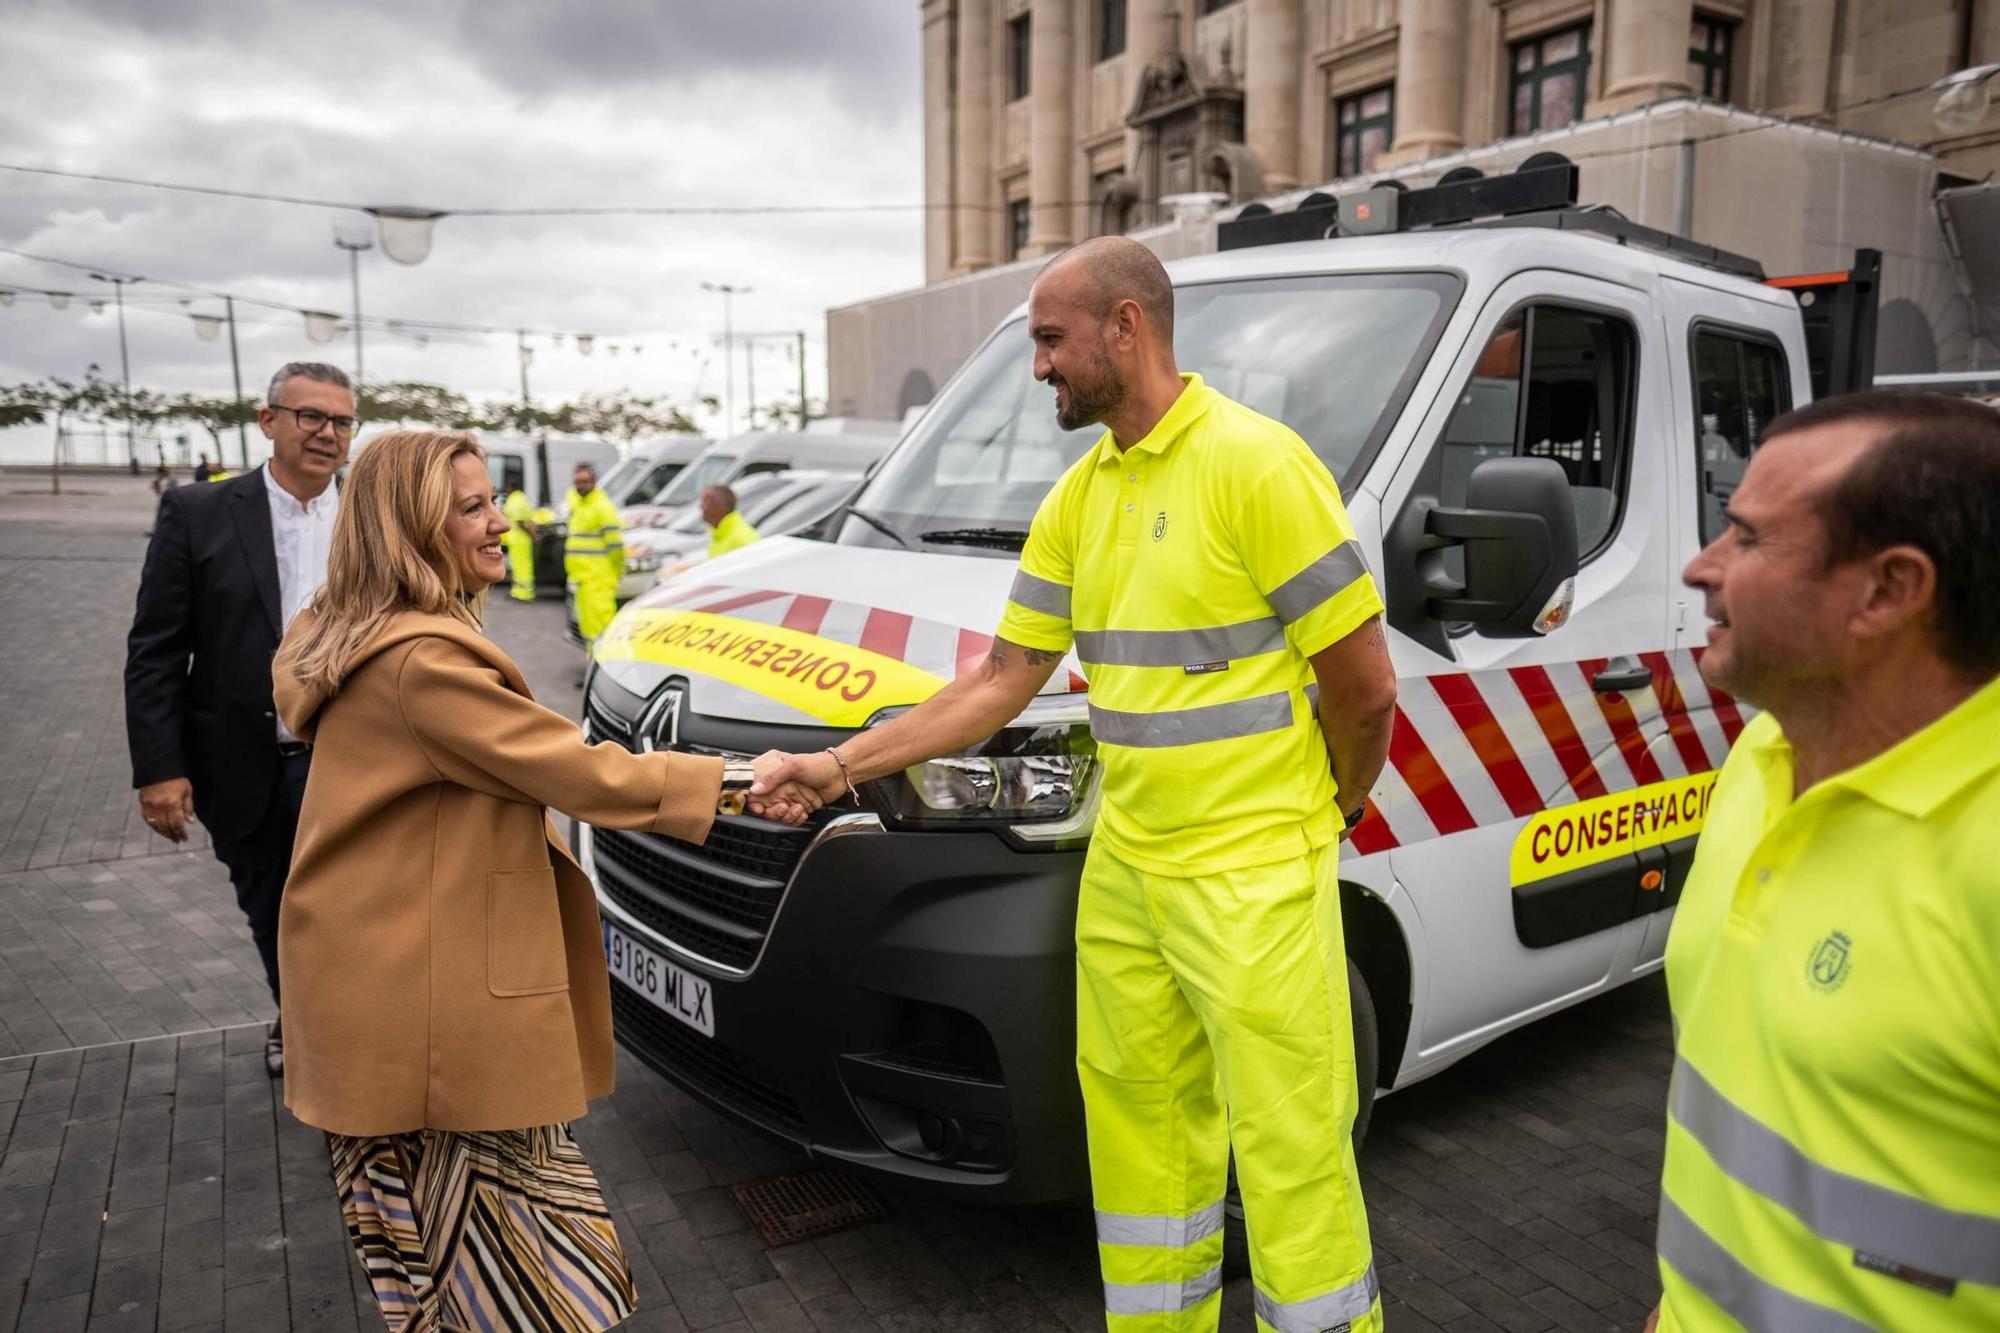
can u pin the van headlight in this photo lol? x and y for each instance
(1036, 778)
(641, 560)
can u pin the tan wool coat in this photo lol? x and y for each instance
(440, 951)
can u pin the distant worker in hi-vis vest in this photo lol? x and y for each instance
(728, 529)
(593, 554)
(1199, 559)
(520, 538)
(1833, 1130)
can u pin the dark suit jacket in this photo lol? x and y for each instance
(198, 661)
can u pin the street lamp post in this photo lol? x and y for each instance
(236, 372)
(118, 284)
(728, 290)
(354, 240)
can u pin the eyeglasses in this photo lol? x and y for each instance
(312, 421)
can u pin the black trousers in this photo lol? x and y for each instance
(258, 862)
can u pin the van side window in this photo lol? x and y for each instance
(506, 469)
(1553, 382)
(1741, 384)
(769, 465)
(655, 482)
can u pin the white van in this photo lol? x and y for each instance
(1534, 421)
(837, 444)
(650, 467)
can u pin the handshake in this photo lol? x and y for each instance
(789, 787)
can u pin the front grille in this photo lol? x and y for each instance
(606, 725)
(711, 900)
(727, 1078)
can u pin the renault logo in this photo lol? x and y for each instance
(660, 725)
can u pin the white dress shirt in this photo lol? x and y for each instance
(302, 535)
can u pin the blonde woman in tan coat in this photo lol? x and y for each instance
(446, 1006)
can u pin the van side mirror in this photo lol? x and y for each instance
(1517, 532)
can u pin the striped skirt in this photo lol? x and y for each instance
(484, 1231)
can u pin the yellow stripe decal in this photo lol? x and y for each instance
(1569, 837)
(840, 685)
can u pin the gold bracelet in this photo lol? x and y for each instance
(845, 776)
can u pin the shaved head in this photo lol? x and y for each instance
(1110, 269)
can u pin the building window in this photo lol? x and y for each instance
(1363, 126)
(1017, 228)
(1017, 58)
(1211, 6)
(1110, 28)
(1548, 80)
(1709, 46)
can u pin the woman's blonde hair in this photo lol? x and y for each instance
(389, 553)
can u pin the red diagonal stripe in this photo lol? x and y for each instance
(1674, 706)
(1372, 834)
(1489, 742)
(972, 649)
(1077, 684)
(689, 594)
(806, 614)
(1427, 778)
(1568, 747)
(1725, 707)
(886, 632)
(1617, 710)
(742, 599)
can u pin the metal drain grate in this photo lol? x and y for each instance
(799, 1207)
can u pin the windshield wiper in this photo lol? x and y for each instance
(1000, 539)
(877, 524)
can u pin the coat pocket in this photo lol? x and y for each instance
(524, 933)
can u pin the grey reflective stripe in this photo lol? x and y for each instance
(1051, 599)
(1190, 726)
(1323, 578)
(1179, 647)
(1748, 1299)
(1312, 696)
(1161, 1297)
(1173, 1232)
(1317, 1313)
(1840, 1208)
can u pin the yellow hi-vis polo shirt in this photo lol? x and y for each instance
(1195, 573)
(1833, 1133)
(732, 533)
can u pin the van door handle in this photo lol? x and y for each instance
(1620, 674)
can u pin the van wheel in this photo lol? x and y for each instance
(1367, 1055)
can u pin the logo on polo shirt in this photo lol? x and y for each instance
(1160, 525)
(1828, 967)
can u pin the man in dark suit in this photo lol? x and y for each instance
(230, 564)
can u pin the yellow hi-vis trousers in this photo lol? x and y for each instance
(1212, 1009)
(596, 592)
(521, 560)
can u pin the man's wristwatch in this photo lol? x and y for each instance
(736, 779)
(1353, 821)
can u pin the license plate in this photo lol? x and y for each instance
(670, 988)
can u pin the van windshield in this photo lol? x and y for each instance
(695, 478)
(1331, 356)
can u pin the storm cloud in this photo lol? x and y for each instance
(459, 105)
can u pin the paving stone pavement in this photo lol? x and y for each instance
(151, 1179)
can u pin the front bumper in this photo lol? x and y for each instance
(910, 1010)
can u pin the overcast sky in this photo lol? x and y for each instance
(459, 103)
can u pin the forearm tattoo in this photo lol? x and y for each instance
(1035, 657)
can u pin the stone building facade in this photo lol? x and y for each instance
(1049, 121)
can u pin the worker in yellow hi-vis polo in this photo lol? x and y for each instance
(593, 553)
(1833, 1129)
(520, 539)
(1198, 558)
(728, 529)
